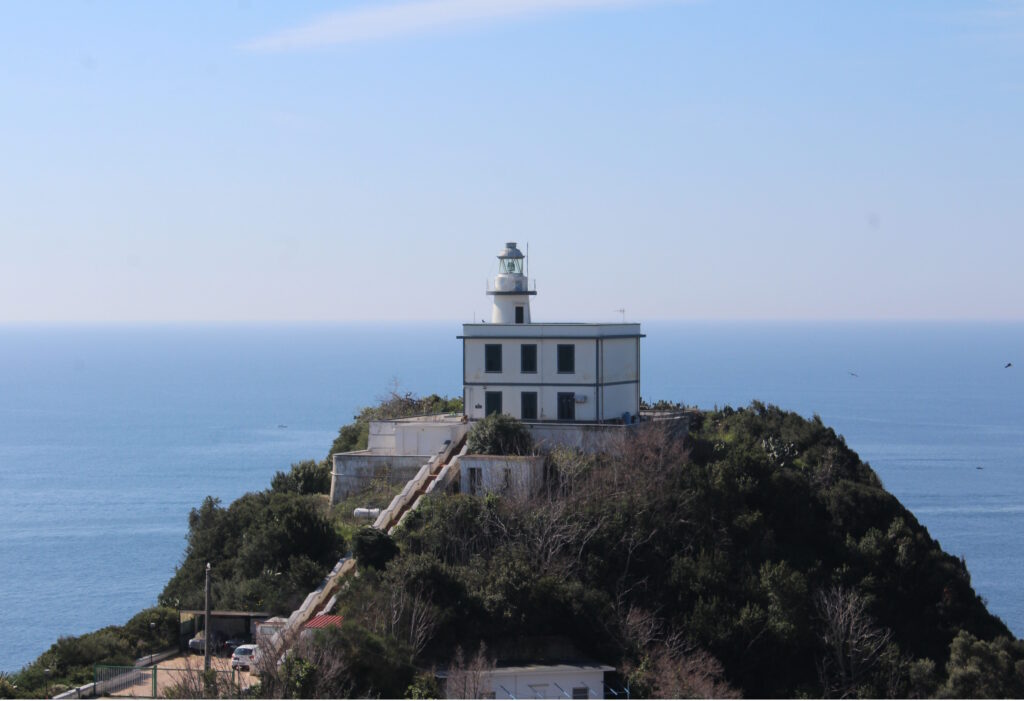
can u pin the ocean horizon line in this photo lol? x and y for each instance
(242, 323)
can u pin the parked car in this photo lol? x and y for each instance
(198, 643)
(230, 644)
(245, 656)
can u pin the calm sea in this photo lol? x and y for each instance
(110, 434)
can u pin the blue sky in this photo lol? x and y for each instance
(353, 160)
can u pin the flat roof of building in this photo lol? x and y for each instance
(557, 668)
(568, 330)
(524, 669)
(424, 418)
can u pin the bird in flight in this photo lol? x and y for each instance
(1008, 365)
(852, 373)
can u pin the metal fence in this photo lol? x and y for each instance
(188, 682)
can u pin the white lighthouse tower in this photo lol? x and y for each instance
(511, 291)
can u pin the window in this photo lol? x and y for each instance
(566, 406)
(492, 357)
(528, 405)
(580, 692)
(475, 480)
(566, 358)
(519, 314)
(528, 358)
(492, 403)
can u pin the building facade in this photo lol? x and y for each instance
(541, 372)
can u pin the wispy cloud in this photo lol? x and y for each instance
(377, 22)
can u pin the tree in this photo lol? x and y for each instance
(268, 550)
(855, 644)
(470, 679)
(682, 675)
(340, 662)
(373, 547)
(500, 434)
(307, 477)
(980, 669)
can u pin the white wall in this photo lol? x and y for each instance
(543, 682)
(617, 399)
(547, 361)
(526, 474)
(619, 358)
(503, 307)
(411, 437)
(588, 438)
(547, 401)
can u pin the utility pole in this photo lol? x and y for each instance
(206, 622)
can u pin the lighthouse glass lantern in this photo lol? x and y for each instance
(511, 266)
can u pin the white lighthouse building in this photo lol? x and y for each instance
(566, 372)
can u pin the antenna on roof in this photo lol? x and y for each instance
(623, 312)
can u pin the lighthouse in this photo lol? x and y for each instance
(546, 372)
(511, 290)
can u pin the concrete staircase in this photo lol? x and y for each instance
(434, 477)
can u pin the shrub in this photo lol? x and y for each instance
(500, 434)
(373, 547)
(306, 477)
(268, 550)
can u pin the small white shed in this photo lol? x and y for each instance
(508, 475)
(561, 681)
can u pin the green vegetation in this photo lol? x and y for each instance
(984, 669)
(499, 434)
(268, 550)
(307, 477)
(373, 548)
(755, 556)
(71, 659)
(377, 496)
(343, 662)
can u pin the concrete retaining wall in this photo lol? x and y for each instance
(589, 438)
(353, 472)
